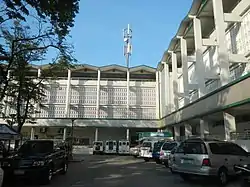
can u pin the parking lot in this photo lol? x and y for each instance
(119, 171)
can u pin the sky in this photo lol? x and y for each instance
(98, 32)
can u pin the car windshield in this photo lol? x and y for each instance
(169, 146)
(36, 147)
(98, 143)
(147, 144)
(157, 145)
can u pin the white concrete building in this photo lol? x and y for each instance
(207, 71)
(100, 102)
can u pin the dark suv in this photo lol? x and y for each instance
(37, 159)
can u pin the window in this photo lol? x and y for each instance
(180, 149)
(146, 144)
(195, 148)
(227, 149)
(169, 146)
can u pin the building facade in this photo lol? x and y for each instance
(207, 70)
(98, 103)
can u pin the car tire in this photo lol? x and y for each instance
(166, 165)
(64, 168)
(222, 177)
(185, 177)
(146, 159)
(135, 156)
(47, 176)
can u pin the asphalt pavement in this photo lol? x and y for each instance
(119, 171)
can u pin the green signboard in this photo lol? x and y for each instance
(154, 134)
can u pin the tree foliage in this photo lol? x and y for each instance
(22, 89)
(59, 13)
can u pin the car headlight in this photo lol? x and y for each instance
(38, 163)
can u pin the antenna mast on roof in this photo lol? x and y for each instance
(127, 36)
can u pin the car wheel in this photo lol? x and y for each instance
(166, 164)
(146, 159)
(185, 177)
(222, 176)
(135, 156)
(46, 179)
(64, 168)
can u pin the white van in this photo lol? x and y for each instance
(123, 147)
(146, 149)
(97, 147)
(110, 147)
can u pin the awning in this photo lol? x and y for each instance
(7, 133)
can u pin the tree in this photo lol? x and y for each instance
(59, 13)
(23, 89)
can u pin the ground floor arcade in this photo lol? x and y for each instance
(83, 135)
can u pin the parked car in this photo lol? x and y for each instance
(166, 150)
(123, 147)
(134, 151)
(208, 157)
(110, 147)
(98, 147)
(146, 149)
(37, 159)
(156, 151)
(1, 176)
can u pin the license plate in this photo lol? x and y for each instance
(186, 161)
(19, 172)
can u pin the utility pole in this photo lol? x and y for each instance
(127, 36)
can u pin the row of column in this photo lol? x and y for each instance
(205, 126)
(171, 79)
(32, 133)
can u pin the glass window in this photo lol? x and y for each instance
(146, 144)
(195, 148)
(180, 149)
(169, 146)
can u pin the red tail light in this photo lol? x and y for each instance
(161, 153)
(206, 162)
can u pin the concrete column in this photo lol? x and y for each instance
(229, 125)
(64, 133)
(127, 135)
(199, 65)
(188, 130)
(68, 94)
(32, 133)
(96, 134)
(167, 83)
(157, 90)
(128, 85)
(220, 28)
(204, 128)
(98, 93)
(184, 60)
(175, 80)
(171, 92)
(37, 105)
(176, 132)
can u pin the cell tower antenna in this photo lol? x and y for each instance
(127, 36)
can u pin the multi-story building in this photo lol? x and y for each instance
(99, 102)
(205, 72)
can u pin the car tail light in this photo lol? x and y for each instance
(206, 162)
(161, 153)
